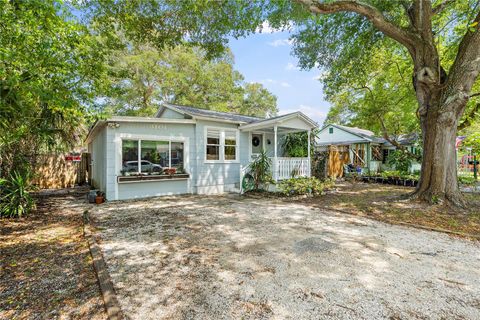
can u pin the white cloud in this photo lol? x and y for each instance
(281, 42)
(265, 81)
(285, 84)
(313, 112)
(267, 28)
(321, 76)
(290, 66)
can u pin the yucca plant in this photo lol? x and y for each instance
(15, 198)
(260, 170)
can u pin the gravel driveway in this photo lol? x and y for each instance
(225, 257)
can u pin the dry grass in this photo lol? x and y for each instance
(45, 267)
(387, 203)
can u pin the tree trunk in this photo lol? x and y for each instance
(438, 178)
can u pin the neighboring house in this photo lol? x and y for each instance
(209, 150)
(359, 148)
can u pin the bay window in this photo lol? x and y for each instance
(221, 144)
(153, 156)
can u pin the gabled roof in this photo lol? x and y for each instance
(356, 131)
(203, 113)
(279, 120)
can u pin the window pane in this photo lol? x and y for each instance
(177, 155)
(213, 140)
(229, 153)
(155, 155)
(230, 138)
(130, 155)
(213, 153)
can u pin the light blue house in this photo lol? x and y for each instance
(207, 151)
(359, 148)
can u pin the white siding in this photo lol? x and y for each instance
(338, 135)
(148, 131)
(220, 176)
(99, 160)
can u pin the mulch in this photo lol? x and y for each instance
(46, 270)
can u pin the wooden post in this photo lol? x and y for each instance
(275, 164)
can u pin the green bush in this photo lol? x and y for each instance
(400, 160)
(15, 198)
(466, 180)
(304, 186)
(260, 171)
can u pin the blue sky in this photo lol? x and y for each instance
(266, 58)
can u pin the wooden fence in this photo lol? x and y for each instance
(53, 171)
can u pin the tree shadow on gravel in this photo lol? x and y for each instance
(45, 268)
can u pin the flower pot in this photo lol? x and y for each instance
(98, 199)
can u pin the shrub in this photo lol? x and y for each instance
(260, 171)
(304, 186)
(400, 160)
(467, 180)
(15, 198)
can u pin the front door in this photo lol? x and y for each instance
(257, 143)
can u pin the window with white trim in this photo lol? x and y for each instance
(230, 147)
(153, 155)
(221, 144)
(213, 144)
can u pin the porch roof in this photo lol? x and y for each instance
(295, 121)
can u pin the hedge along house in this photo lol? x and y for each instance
(357, 147)
(185, 150)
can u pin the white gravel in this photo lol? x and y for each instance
(229, 258)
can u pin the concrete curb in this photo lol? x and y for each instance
(112, 306)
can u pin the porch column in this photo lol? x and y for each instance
(275, 166)
(309, 173)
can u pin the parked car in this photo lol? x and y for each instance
(147, 166)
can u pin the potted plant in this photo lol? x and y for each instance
(170, 171)
(100, 198)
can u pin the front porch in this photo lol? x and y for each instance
(267, 135)
(290, 167)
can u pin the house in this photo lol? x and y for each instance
(358, 148)
(186, 150)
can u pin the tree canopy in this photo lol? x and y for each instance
(50, 68)
(441, 38)
(142, 76)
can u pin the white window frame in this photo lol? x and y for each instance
(139, 149)
(222, 145)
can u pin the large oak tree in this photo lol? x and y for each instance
(442, 91)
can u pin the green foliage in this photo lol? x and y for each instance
(50, 67)
(399, 175)
(304, 186)
(467, 180)
(296, 144)
(400, 160)
(260, 170)
(15, 198)
(473, 141)
(142, 76)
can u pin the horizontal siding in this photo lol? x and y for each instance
(151, 189)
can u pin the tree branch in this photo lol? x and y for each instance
(371, 13)
(466, 67)
(442, 6)
(394, 142)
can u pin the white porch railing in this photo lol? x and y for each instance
(286, 168)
